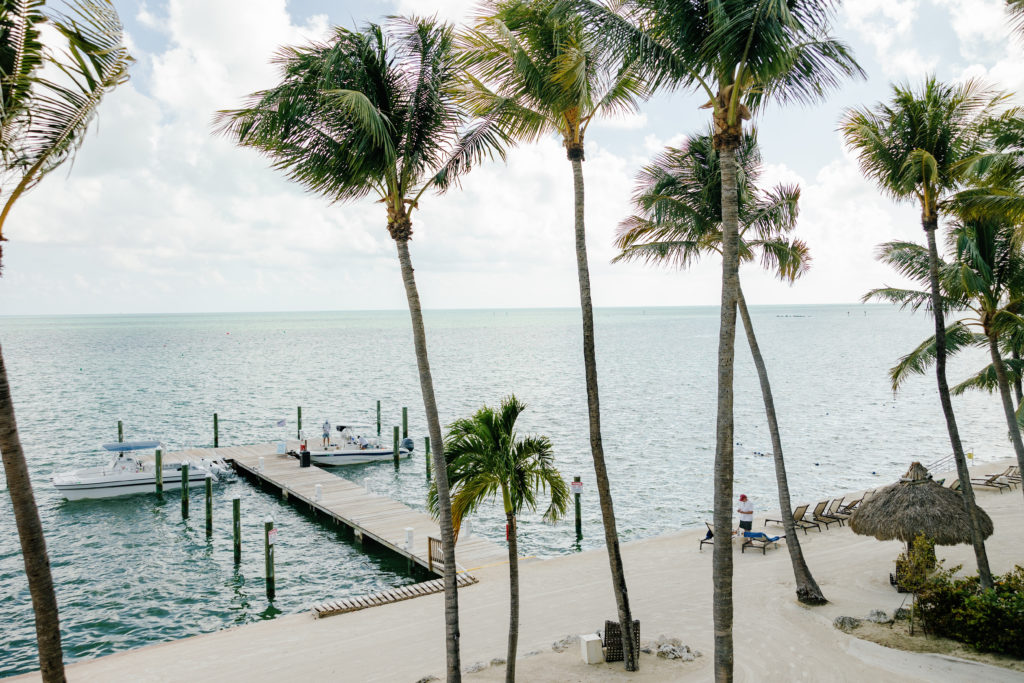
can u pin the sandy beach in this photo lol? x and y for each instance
(776, 638)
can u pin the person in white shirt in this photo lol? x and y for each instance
(363, 443)
(327, 433)
(746, 510)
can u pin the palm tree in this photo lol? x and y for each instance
(1015, 8)
(679, 200)
(540, 72)
(986, 279)
(486, 458)
(373, 112)
(50, 89)
(920, 147)
(740, 54)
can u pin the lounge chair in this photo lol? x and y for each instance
(834, 511)
(1010, 474)
(850, 507)
(710, 538)
(798, 520)
(758, 539)
(955, 486)
(991, 481)
(820, 515)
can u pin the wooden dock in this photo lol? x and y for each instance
(370, 516)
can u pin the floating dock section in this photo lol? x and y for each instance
(368, 515)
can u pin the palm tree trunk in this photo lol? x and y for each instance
(984, 573)
(419, 337)
(33, 544)
(721, 560)
(604, 493)
(1018, 388)
(1004, 392)
(513, 605)
(807, 590)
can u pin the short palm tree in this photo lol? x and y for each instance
(488, 459)
(679, 200)
(740, 54)
(540, 72)
(920, 147)
(985, 279)
(51, 85)
(373, 112)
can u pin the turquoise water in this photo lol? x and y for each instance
(129, 572)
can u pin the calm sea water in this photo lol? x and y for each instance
(130, 572)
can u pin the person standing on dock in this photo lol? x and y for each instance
(746, 510)
(327, 433)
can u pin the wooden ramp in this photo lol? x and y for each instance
(329, 608)
(369, 515)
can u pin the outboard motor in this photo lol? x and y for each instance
(407, 444)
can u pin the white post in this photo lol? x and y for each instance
(408, 538)
(259, 467)
(467, 528)
(318, 492)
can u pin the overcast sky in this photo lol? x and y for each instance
(156, 215)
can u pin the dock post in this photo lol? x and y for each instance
(216, 432)
(236, 526)
(298, 432)
(184, 490)
(409, 546)
(159, 472)
(426, 442)
(120, 432)
(209, 504)
(318, 492)
(579, 520)
(405, 423)
(378, 419)
(268, 552)
(259, 466)
(395, 452)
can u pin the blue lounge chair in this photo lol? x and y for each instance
(758, 539)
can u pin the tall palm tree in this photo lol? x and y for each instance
(679, 200)
(373, 112)
(50, 89)
(740, 54)
(541, 72)
(920, 147)
(487, 458)
(985, 279)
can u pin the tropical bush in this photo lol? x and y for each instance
(988, 620)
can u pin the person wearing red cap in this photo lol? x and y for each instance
(746, 510)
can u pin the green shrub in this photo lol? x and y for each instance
(989, 621)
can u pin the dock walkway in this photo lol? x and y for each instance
(369, 515)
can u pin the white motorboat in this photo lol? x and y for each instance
(352, 448)
(126, 474)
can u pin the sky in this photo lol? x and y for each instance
(158, 215)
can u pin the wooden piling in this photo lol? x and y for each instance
(236, 526)
(395, 452)
(378, 419)
(216, 432)
(159, 472)
(184, 490)
(298, 431)
(120, 432)
(209, 505)
(579, 519)
(405, 423)
(268, 553)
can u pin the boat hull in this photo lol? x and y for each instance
(142, 482)
(354, 456)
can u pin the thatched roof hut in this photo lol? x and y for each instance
(916, 504)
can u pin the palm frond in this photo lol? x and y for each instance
(917, 362)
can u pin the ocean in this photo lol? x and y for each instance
(129, 572)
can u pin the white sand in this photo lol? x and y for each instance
(776, 638)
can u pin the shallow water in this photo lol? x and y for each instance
(129, 572)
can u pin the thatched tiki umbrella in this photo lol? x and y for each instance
(917, 505)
